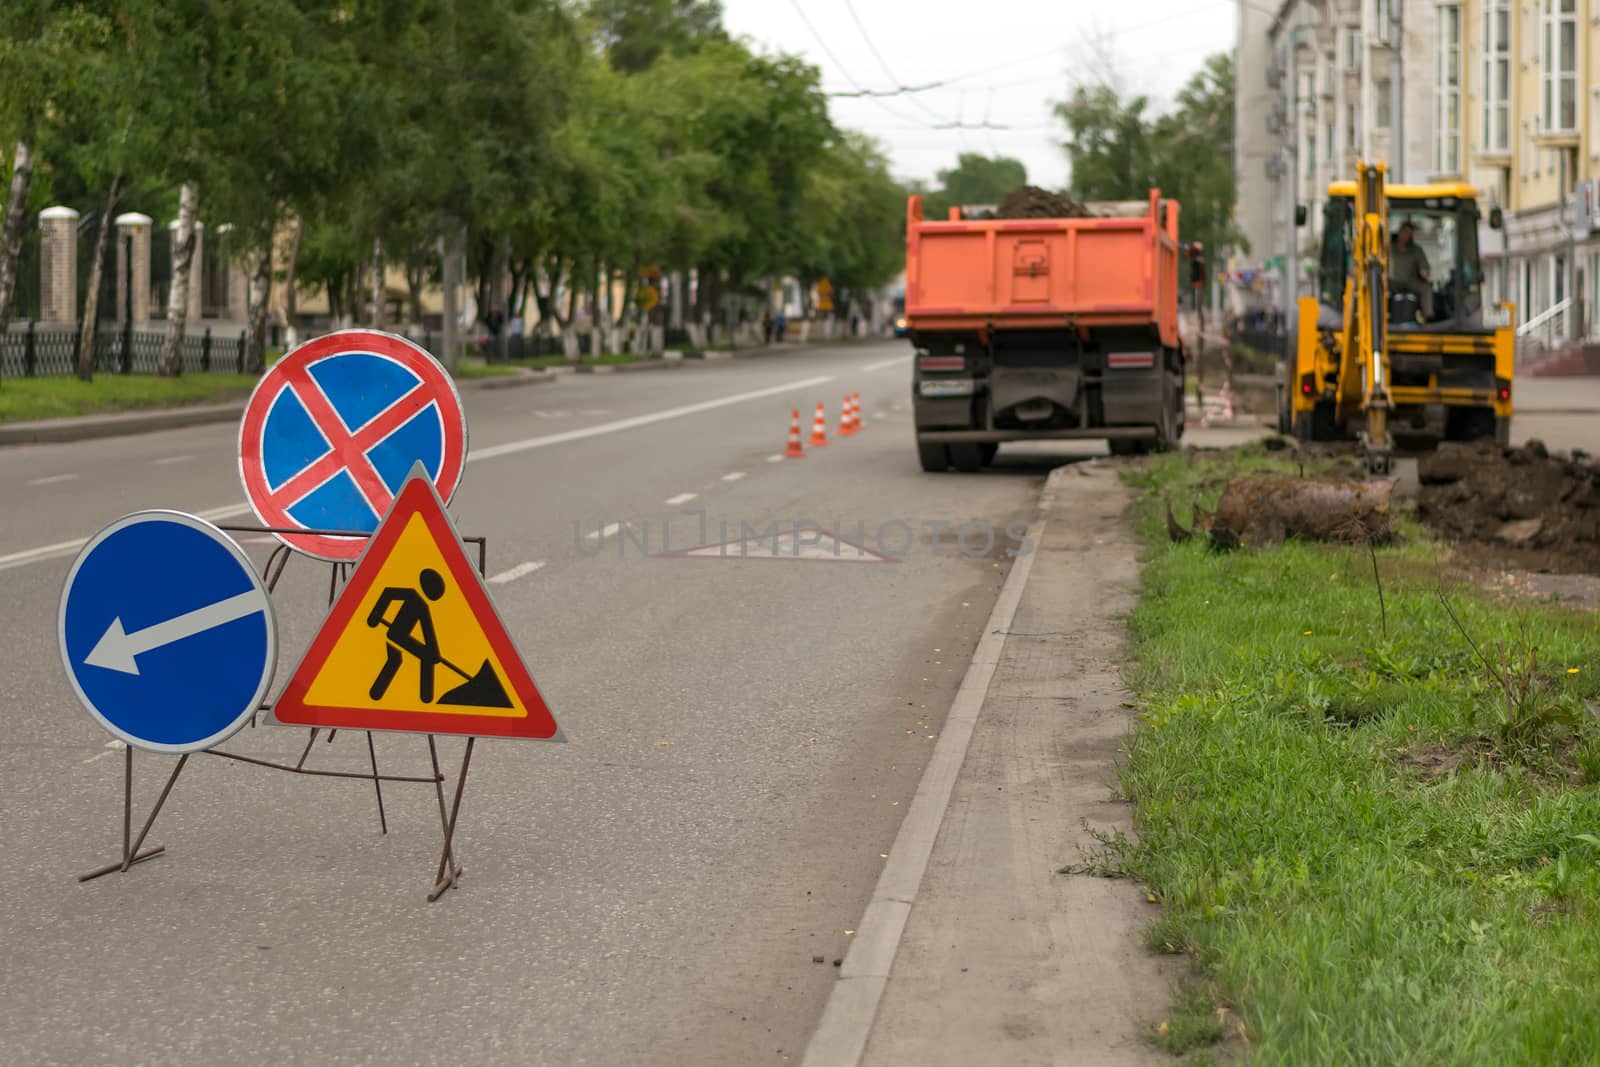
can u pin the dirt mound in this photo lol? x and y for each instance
(1523, 507)
(1032, 202)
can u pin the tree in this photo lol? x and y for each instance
(855, 212)
(635, 33)
(975, 179)
(1118, 152)
(39, 43)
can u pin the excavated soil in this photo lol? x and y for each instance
(1032, 202)
(1522, 508)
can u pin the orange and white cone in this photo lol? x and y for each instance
(819, 429)
(856, 424)
(794, 451)
(847, 424)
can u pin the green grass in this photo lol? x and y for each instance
(51, 398)
(1368, 856)
(466, 369)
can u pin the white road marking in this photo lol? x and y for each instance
(164, 460)
(681, 498)
(776, 459)
(733, 476)
(519, 571)
(605, 531)
(114, 745)
(51, 479)
(510, 447)
(67, 548)
(882, 363)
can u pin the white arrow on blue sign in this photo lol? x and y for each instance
(167, 633)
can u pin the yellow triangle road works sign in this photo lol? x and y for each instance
(414, 643)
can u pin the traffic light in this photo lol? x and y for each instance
(1197, 264)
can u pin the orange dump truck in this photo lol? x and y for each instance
(1043, 329)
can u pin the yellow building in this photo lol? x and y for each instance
(1517, 114)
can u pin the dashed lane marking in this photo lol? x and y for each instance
(681, 498)
(882, 363)
(521, 570)
(733, 476)
(52, 479)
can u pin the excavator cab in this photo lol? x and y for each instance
(1394, 343)
(1435, 280)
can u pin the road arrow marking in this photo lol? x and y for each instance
(117, 650)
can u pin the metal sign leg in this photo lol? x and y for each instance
(447, 874)
(377, 784)
(135, 852)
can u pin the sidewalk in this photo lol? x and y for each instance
(1002, 959)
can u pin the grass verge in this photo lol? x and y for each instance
(53, 398)
(466, 369)
(1375, 849)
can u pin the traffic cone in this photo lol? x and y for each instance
(856, 424)
(794, 451)
(819, 429)
(846, 426)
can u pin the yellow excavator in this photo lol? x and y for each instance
(1394, 344)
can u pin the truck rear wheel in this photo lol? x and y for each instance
(934, 457)
(966, 458)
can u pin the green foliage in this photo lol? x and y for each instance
(566, 140)
(1118, 149)
(975, 179)
(1412, 883)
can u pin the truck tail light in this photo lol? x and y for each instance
(1308, 383)
(942, 363)
(1130, 360)
(1503, 389)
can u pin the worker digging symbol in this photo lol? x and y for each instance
(482, 689)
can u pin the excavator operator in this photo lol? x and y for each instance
(1408, 269)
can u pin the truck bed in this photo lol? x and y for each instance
(981, 274)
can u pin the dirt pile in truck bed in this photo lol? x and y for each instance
(1522, 507)
(1032, 202)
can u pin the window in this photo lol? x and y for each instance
(1352, 49)
(1380, 120)
(1558, 66)
(1381, 19)
(1496, 75)
(1327, 141)
(1352, 131)
(1447, 93)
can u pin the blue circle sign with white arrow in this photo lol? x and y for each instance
(167, 633)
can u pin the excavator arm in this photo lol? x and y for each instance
(1364, 371)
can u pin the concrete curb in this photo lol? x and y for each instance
(507, 381)
(91, 427)
(841, 1036)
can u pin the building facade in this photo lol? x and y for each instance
(1321, 84)
(1501, 94)
(1517, 89)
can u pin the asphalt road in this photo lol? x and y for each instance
(744, 736)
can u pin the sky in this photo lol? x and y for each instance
(1003, 63)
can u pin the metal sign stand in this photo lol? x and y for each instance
(449, 867)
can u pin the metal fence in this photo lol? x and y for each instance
(32, 351)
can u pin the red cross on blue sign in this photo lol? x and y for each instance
(333, 429)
